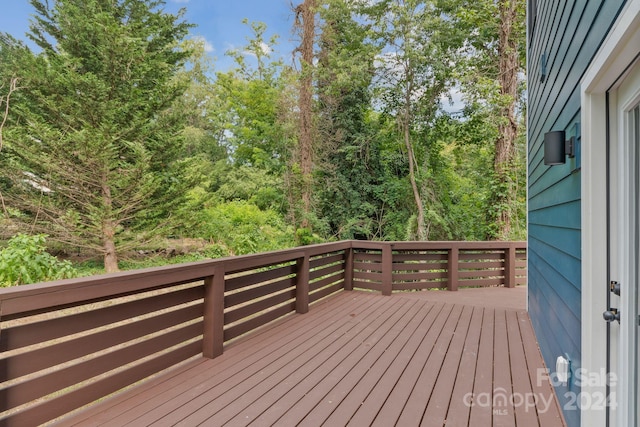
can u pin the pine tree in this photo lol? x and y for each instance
(92, 136)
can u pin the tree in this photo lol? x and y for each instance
(414, 73)
(306, 23)
(93, 137)
(492, 74)
(349, 171)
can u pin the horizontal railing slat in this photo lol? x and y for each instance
(373, 286)
(325, 260)
(315, 296)
(429, 257)
(419, 267)
(24, 363)
(481, 282)
(43, 385)
(367, 275)
(32, 333)
(377, 267)
(367, 257)
(60, 405)
(247, 280)
(480, 265)
(481, 273)
(258, 306)
(257, 292)
(26, 300)
(420, 285)
(337, 277)
(258, 321)
(313, 275)
(403, 277)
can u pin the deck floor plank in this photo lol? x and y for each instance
(330, 374)
(365, 378)
(548, 408)
(482, 394)
(357, 358)
(436, 412)
(384, 392)
(503, 410)
(459, 408)
(393, 406)
(523, 396)
(322, 383)
(147, 398)
(223, 400)
(366, 342)
(415, 407)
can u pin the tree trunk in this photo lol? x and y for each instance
(406, 132)
(306, 12)
(110, 254)
(108, 230)
(13, 86)
(508, 127)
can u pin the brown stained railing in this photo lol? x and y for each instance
(399, 266)
(68, 343)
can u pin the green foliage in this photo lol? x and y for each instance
(305, 236)
(93, 128)
(25, 260)
(124, 131)
(243, 228)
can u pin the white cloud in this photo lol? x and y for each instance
(266, 49)
(208, 47)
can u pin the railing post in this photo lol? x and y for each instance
(213, 335)
(348, 269)
(387, 269)
(453, 268)
(302, 285)
(510, 266)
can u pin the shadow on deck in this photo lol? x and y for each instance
(362, 359)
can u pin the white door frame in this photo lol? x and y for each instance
(625, 263)
(611, 61)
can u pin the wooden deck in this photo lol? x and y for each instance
(360, 358)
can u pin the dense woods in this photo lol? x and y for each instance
(396, 120)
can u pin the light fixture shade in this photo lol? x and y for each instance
(554, 148)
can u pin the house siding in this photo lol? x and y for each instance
(568, 34)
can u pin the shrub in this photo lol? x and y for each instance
(25, 260)
(244, 228)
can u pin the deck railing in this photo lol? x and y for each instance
(68, 343)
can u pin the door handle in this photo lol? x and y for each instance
(611, 315)
(614, 287)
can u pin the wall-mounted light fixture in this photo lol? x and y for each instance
(556, 148)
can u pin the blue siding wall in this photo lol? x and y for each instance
(568, 34)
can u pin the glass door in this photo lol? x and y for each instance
(624, 223)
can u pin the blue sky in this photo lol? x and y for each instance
(219, 22)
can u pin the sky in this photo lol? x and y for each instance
(219, 22)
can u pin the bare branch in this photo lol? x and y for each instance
(13, 86)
